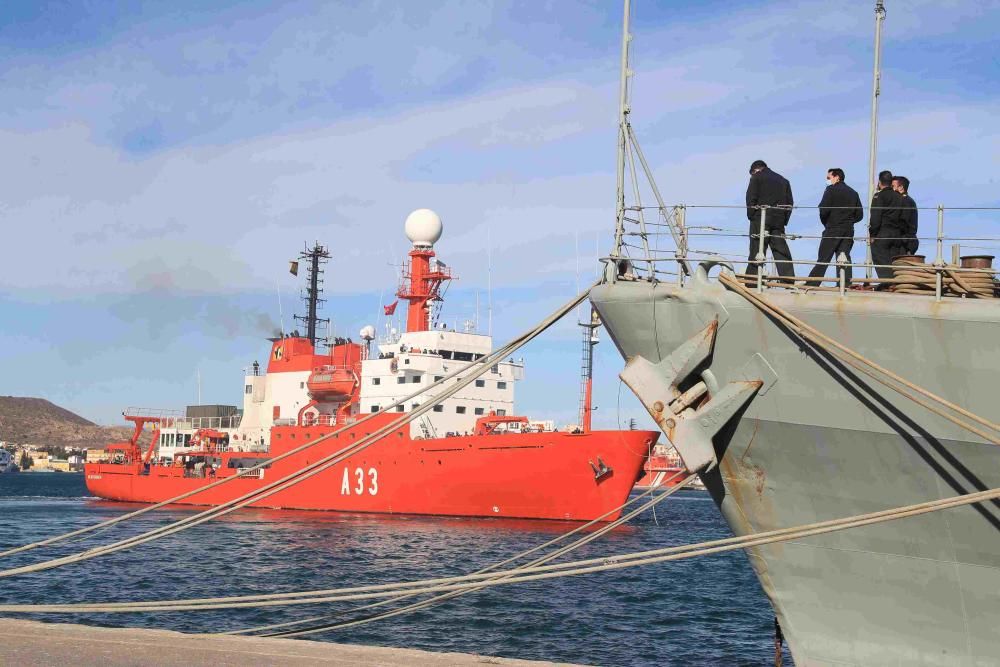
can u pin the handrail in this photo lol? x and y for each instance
(649, 256)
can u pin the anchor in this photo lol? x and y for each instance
(688, 422)
(601, 470)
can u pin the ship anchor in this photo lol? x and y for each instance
(685, 417)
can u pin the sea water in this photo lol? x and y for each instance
(702, 611)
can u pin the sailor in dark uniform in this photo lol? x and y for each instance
(883, 225)
(769, 188)
(907, 214)
(839, 210)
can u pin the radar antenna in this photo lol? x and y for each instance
(316, 256)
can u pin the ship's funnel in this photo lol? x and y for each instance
(423, 228)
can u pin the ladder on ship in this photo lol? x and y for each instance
(427, 428)
(587, 368)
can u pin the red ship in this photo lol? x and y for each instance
(469, 456)
(663, 468)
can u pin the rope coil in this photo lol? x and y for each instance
(913, 276)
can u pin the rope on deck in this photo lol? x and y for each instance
(474, 371)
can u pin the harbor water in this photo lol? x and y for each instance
(703, 611)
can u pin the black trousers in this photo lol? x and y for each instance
(834, 242)
(775, 240)
(885, 246)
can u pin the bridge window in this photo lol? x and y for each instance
(438, 408)
(415, 379)
(438, 378)
(479, 411)
(460, 409)
(495, 368)
(249, 389)
(374, 408)
(480, 383)
(501, 412)
(401, 379)
(501, 385)
(400, 408)
(376, 380)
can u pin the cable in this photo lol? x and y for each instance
(542, 572)
(540, 561)
(313, 468)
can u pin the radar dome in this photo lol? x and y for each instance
(367, 332)
(423, 227)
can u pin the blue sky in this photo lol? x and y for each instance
(162, 161)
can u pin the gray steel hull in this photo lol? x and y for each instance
(822, 443)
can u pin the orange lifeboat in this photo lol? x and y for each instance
(331, 383)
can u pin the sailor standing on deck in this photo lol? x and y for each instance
(907, 214)
(883, 225)
(839, 210)
(771, 189)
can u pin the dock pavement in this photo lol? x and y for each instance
(30, 643)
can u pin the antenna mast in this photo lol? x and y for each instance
(623, 133)
(873, 139)
(627, 145)
(587, 370)
(317, 256)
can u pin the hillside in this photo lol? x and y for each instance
(36, 421)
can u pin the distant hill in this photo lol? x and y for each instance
(36, 421)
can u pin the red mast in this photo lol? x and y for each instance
(421, 281)
(587, 370)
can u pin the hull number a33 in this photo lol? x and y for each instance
(359, 481)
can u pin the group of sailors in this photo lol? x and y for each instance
(892, 220)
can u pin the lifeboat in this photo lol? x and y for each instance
(331, 383)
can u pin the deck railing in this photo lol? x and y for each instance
(179, 420)
(685, 235)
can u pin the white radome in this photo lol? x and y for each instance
(423, 227)
(367, 332)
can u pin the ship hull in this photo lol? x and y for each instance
(526, 475)
(822, 443)
(660, 471)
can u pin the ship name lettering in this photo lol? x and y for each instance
(359, 489)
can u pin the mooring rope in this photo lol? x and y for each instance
(520, 575)
(603, 530)
(864, 364)
(307, 471)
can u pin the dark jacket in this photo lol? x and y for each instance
(840, 207)
(884, 216)
(908, 222)
(770, 188)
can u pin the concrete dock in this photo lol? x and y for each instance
(29, 643)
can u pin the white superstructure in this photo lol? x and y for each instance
(421, 358)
